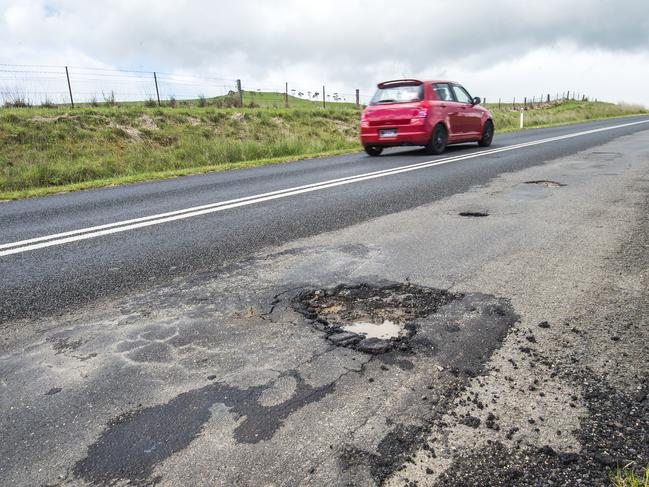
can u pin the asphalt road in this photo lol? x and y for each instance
(59, 278)
(218, 350)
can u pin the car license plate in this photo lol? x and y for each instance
(388, 133)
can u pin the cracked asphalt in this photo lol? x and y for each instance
(176, 355)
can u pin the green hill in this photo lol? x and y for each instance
(258, 99)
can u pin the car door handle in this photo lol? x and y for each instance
(443, 105)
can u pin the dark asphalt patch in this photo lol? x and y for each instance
(343, 312)
(133, 443)
(476, 214)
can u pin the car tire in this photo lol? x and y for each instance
(487, 134)
(373, 150)
(438, 140)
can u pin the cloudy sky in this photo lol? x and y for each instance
(500, 48)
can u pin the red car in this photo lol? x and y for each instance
(432, 114)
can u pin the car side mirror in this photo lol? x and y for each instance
(476, 100)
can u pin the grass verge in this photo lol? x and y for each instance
(508, 119)
(151, 176)
(51, 150)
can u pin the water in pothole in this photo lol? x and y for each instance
(383, 331)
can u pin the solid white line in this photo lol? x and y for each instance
(227, 202)
(122, 226)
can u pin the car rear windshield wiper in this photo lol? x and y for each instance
(389, 100)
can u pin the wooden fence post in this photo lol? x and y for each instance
(240, 92)
(67, 75)
(358, 97)
(324, 102)
(157, 92)
(286, 95)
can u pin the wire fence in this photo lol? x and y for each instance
(44, 85)
(535, 101)
(50, 86)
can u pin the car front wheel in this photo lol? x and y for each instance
(373, 150)
(487, 134)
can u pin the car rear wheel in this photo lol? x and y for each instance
(487, 134)
(438, 141)
(373, 150)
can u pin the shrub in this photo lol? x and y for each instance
(47, 103)
(109, 99)
(16, 99)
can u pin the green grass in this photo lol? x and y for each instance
(48, 150)
(627, 477)
(508, 119)
(45, 150)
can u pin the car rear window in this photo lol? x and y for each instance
(398, 94)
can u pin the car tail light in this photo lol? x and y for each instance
(364, 120)
(422, 112)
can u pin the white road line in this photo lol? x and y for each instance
(122, 226)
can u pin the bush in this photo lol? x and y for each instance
(16, 99)
(47, 103)
(109, 99)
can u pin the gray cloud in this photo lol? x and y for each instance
(348, 42)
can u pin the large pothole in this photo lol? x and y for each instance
(370, 318)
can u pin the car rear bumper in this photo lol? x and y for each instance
(406, 135)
